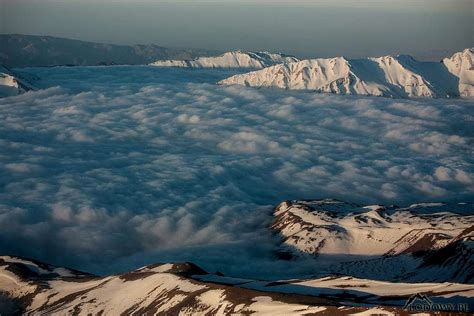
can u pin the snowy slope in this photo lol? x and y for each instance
(11, 84)
(455, 259)
(336, 227)
(369, 291)
(389, 76)
(156, 289)
(235, 59)
(461, 65)
(366, 240)
(186, 289)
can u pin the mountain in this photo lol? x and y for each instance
(236, 59)
(33, 51)
(12, 83)
(33, 288)
(388, 76)
(462, 66)
(364, 240)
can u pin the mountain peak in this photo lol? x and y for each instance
(461, 65)
(182, 268)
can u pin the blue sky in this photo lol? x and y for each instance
(305, 28)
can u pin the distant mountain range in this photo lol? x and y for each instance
(234, 59)
(389, 76)
(32, 51)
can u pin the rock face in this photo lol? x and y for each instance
(33, 288)
(388, 76)
(236, 59)
(11, 84)
(431, 236)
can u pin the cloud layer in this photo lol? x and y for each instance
(111, 167)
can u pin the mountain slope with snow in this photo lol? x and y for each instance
(388, 76)
(34, 288)
(154, 289)
(235, 59)
(418, 239)
(461, 65)
(11, 84)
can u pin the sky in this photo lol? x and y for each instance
(424, 28)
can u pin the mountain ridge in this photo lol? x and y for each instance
(387, 76)
(420, 238)
(35, 288)
(18, 50)
(231, 59)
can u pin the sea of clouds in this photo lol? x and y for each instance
(109, 168)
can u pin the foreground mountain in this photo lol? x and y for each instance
(32, 51)
(423, 242)
(388, 76)
(34, 288)
(236, 59)
(11, 83)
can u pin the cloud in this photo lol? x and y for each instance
(190, 119)
(108, 174)
(249, 142)
(19, 167)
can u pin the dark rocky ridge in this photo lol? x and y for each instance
(42, 51)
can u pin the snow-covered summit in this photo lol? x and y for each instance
(461, 65)
(389, 76)
(234, 59)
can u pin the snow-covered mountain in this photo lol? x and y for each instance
(418, 239)
(11, 83)
(389, 76)
(462, 66)
(335, 227)
(235, 59)
(34, 288)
